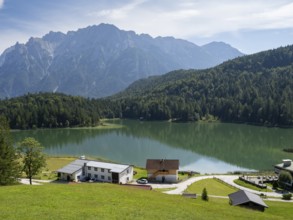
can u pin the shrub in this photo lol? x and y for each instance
(284, 179)
(275, 185)
(287, 196)
(204, 195)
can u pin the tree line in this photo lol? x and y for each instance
(265, 98)
(50, 110)
(27, 158)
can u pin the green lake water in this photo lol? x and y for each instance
(202, 147)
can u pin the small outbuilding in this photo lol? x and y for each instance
(247, 199)
(162, 170)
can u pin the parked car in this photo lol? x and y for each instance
(142, 181)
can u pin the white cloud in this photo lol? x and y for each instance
(185, 19)
(1, 3)
(205, 18)
(119, 12)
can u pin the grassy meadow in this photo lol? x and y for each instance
(109, 201)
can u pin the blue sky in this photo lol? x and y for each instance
(250, 25)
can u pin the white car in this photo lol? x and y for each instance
(142, 181)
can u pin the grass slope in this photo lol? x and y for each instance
(107, 201)
(213, 186)
(250, 186)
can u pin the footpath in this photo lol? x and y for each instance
(179, 188)
(228, 179)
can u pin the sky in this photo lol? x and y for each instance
(250, 26)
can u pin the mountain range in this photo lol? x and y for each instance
(98, 61)
(256, 89)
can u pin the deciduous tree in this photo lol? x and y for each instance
(33, 157)
(284, 179)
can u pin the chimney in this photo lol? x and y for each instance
(287, 162)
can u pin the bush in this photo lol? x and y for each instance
(284, 179)
(287, 196)
(275, 185)
(204, 195)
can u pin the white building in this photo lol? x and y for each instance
(97, 171)
(72, 171)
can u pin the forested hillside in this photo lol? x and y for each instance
(48, 110)
(253, 89)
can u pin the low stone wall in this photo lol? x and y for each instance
(189, 195)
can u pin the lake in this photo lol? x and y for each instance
(202, 147)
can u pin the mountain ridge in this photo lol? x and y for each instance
(96, 61)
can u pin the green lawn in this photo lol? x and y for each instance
(250, 186)
(108, 201)
(140, 173)
(55, 163)
(213, 186)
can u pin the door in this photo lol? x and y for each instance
(115, 177)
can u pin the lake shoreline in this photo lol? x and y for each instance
(104, 125)
(202, 147)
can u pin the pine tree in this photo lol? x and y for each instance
(9, 166)
(204, 195)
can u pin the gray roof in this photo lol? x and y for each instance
(116, 168)
(73, 166)
(242, 197)
(283, 167)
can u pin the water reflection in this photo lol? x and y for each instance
(204, 147)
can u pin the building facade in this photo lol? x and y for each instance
(108, 172)
(162, 170)
(97, 171)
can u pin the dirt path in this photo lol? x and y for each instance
(34, 181)
(229, 179)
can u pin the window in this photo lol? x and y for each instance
(96, 176)
(89, 168)
(103, 177)
(96, 169)
(127, 179)
(127, 170)
(102, 170)
(109, 171)
(109, 178)
(89, 175)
